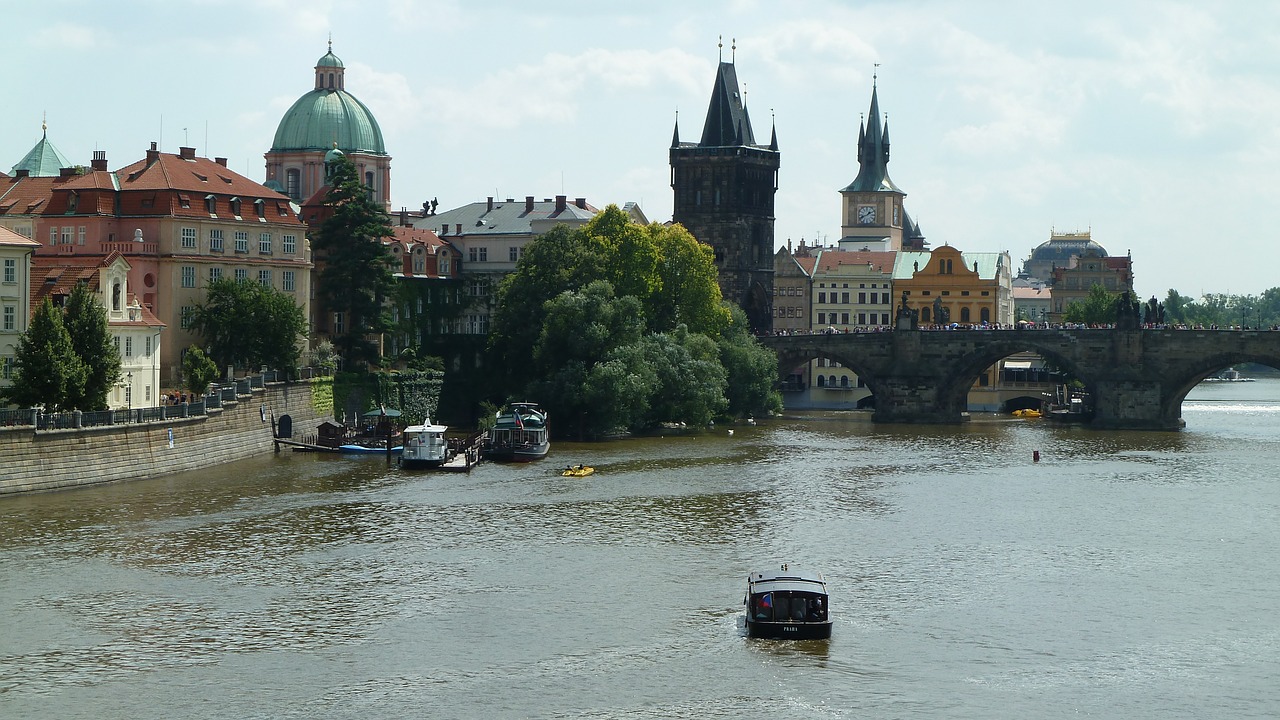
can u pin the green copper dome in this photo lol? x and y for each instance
(329, 60)
(325, 116)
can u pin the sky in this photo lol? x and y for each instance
(1154, 125)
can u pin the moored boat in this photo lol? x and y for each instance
(425, 446)
(787, 603)
(519, 435)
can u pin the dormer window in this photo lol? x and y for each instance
(211, 204)
(260, 207)
(235, 206)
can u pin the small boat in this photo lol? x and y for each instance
(578, 471)
(425, 446)
(788, 604)
(370, 449)
(519, 435)
(1027, 413)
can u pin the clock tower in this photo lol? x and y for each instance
(724, 186)
(872, 211)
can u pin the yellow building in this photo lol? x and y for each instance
(946, 286)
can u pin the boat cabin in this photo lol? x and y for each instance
(787, 603)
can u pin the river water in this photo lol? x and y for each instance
(1124, 575)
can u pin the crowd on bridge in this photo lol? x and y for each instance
(1020, 325)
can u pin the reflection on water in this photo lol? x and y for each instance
(1119, 574)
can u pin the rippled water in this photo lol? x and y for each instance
(1124, 575)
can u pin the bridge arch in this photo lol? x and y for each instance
(966, 368)
(1178, 387)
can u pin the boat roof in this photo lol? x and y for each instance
(787, 578)
(425, 428)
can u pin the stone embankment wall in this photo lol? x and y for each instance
(56, 459)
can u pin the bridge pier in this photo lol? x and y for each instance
(1133, 404)
(917, 400)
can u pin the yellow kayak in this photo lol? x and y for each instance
(578, 471)
(1028, 413)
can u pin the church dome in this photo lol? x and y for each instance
(1059, 250)
(329, 114)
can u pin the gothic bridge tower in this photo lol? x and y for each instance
(724, 187)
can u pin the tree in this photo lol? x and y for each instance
(751, 370)
(86, 322)
(355, 279)
(1098, 308)
(46, 370)
(246, 324)
(199, 369)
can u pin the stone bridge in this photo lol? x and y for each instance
(1137, 378)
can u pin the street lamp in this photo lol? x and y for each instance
(128, 392)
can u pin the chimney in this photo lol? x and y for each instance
(580, 202)
(490, 204)
(404, 217)
(560, 203)
(152, 155)
(66, 172)
(187, 153)
(99, 161)
(220, 161)
(528, 203)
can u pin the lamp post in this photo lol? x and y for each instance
(128, 391)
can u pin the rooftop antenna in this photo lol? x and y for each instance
(720, 48)
(185, 140)
(44, 123)
(733, 51)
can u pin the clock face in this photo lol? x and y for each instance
(866, 214)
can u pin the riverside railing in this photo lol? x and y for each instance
(217, 397)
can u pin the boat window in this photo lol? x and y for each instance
(788, 606)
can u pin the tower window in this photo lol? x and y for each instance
(292, 183)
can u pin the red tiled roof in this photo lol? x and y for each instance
(831, 260)
(10, 238)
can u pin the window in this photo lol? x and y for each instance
(264, 244)
(338, 325)
(822, 318)
(862, 298)
(80, 235)
(189, 238)
(10, 318)
(215, 241)
(822, 298)
(148, 353)
(8, 368)
(292, 183)
(10, 270)
(211, 204)
(241, 274)
(862, 318)
(287, 280)
(844, 298)
(844, 318)
(184, 316)
(288, 244)
(215, 274)
(513, 254)
(242, 241)
(444, 266)
(66, 235)
(235, 206)
(128, 346)
(419, 263)
(53, 236)
(188, 276)
(264, 278)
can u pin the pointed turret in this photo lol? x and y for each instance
(773, 139)
(873, 153)
(675, 134)
(44, 160)
(728, 124)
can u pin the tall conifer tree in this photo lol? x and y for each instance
(86, 323)
(355, 279)
(46, 370)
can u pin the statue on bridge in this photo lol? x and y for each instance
(907, 318)
(941, 313)
(1128, 312)
(1155, 312)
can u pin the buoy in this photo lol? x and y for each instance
(1035, 456)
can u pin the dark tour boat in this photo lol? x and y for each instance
(788, 604)
(519, 435)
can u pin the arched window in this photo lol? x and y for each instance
(293, 182)
(985, 315)
(115, 297)
(822, 381)
(368, 179)
(844, 381)
(330, 79)
(964, 314)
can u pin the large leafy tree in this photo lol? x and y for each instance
(248, 324)
(1099, 307)
(355, 277)
(199, 370)
(47, 372)
(619, 325)
(86, 322)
